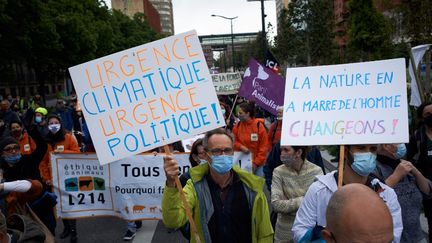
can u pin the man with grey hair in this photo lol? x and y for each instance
(355, 213)
(228, 204)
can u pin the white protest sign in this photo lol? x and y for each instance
(226, 83)
(147, 96)
(130, 188)
(358, 103)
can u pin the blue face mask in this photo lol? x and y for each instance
(364, 163)
(401, 151)
(203, 161)
(38, 119)
(222, 164)
(13, 159)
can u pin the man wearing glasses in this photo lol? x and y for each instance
(227, 203)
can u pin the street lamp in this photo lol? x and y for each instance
(232, 36)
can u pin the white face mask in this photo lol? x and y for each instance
(54, 128)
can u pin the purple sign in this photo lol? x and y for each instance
(262, 85)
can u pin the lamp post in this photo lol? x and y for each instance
(232, 36)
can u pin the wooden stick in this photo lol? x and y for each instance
(232, 108)
(185, 203)
(341, 165)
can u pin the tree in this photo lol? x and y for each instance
(417, 19)
(47, 37)
(305, 34)
(369, 32)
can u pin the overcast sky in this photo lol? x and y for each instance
(196, 14)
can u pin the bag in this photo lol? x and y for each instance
(27, 229)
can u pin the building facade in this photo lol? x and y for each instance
(131, 7)
(165, 10)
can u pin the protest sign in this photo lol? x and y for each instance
(262, 85)
(129, 188)
(226, 83)
(358, 103)
(147, 96)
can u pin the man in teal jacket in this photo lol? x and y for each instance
(227, 203)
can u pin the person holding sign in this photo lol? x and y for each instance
(227, 203)
(290, 183)
(360, 162)
(250, 136)
(346, 223)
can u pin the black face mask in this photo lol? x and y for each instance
(428, 120)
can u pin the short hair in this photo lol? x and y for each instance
(220, 131)
(248, 107)
(305, 150)
(421, 108)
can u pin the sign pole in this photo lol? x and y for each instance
(232, 108)
(341, 165)
(185, 203)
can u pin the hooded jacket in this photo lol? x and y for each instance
(199, 199)
(312, 210)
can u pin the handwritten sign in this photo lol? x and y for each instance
(129, 188)
(358, 103)
(226, 83)
(147, 96)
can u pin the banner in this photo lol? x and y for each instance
(147, 96)
(129, 188)
(263, 86)
(226, 83)
(417, 54)
(358, 103)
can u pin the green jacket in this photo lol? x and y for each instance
(174, 215)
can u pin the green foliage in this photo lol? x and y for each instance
(305, 33)
(51, 35)
(417, 19)
(369, 32)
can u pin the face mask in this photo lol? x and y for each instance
(243, 118)
(16, 133)
(222, 164)
(364, 163)
(401, 151)
(287, 160)
(428, 120)
(54, 128)
(203, 161)
(38, 119)
(12, 159)
(223, 111)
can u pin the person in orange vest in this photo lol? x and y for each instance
(250, 136)
(26, 143)
(59, 141)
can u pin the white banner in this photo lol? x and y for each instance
(147, 96)
(358, 103)
(226, 83)
(129, 188)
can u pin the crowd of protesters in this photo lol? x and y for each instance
(299, 187)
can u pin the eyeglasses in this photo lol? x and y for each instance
(218, 151)
(14, 148)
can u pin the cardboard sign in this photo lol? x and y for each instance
(226, 83)
(358, 103)
(129, 188)
(147, 96)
